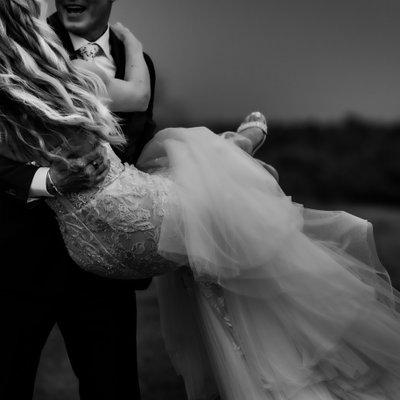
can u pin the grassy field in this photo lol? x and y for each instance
(55, 380)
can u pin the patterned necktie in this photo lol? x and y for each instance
(89, 51)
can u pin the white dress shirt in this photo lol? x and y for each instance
(105, 61)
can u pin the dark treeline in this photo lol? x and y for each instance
(348, 161)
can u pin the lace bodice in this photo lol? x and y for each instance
(113, 230)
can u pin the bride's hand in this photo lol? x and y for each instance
(81, 171)
(127, 37)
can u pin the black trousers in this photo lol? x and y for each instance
(99, 331)
(41, 286)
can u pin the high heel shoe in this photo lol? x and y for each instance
(255, 120)
(258, 120)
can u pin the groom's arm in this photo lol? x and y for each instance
(16, 178)
(25, 182)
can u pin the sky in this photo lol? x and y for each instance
(217, 60)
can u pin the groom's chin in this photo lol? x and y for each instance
(76, 26)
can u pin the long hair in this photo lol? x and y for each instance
(45, 101)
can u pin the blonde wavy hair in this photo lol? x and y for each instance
(45, 101)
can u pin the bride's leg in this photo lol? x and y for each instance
(250, 136)
(251, 133)
(254, 128)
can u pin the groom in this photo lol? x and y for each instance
(40, 285)
(78, 22)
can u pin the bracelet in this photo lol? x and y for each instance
(53, 185)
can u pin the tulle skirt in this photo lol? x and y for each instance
(280, 302)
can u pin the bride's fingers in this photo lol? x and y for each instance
(98, 166)
(94, 174)
(120, 30)
(122, 33)
(99, 160)
(100, 176)
(120, 27)
(101, 168)
(98, 154)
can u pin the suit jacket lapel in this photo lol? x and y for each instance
(116, 46)
(59, 29)
(117, 49)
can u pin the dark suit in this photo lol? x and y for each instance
(41, 286)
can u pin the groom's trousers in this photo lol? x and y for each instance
(99, 335)
(40, 286)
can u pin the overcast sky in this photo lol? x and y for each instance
(292, 59)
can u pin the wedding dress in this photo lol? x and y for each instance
(272, 301)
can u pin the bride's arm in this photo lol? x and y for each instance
(134, 92)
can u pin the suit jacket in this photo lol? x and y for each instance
(138, 127)
(33, 257)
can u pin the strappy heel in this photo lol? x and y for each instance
(255, 120)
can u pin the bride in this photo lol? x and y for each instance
(260, 298)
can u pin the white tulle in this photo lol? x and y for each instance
(281, 302)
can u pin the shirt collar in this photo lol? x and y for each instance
(103, 41)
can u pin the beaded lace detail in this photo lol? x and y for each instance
(113, 230)
(214, 294)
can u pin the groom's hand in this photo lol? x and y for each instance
(78, 174)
